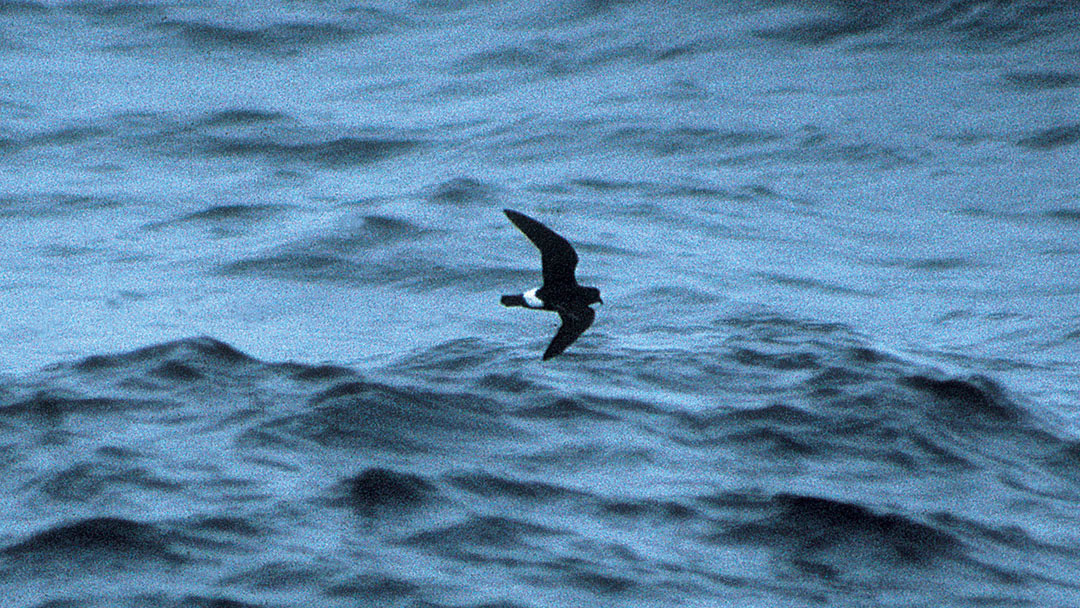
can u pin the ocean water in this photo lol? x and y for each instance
(251, 256)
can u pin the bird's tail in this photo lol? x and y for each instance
(518, 300)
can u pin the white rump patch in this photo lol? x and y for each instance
(531, 300)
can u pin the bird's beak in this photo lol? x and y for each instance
(600, 300)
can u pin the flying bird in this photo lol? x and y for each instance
(560, 291)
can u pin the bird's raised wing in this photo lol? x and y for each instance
(574, 322)
(557, 257)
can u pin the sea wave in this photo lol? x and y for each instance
(518, 448)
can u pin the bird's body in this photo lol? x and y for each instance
(560, 291)
(532, 300)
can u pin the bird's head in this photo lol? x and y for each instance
(594, 296)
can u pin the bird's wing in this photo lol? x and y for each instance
(557, 257)
(574, 322)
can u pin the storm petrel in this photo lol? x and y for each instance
(560, 291)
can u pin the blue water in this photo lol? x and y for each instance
(251, 256)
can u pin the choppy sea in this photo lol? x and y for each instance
(253, 355)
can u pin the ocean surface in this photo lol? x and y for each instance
(251, 255)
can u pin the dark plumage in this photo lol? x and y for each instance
(560, 291)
